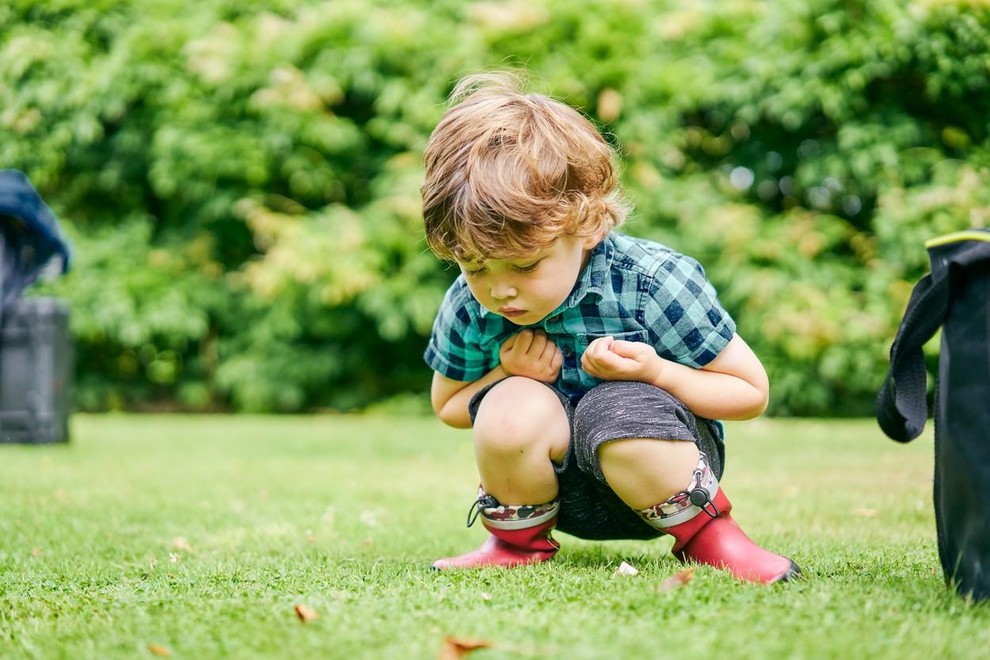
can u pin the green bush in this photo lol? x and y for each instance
(240, 179)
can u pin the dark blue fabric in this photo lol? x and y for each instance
(29, 236)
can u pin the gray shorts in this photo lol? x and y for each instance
(614, 410)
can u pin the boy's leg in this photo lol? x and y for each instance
(644, 471)
(698, 517)
(640, 441)
(521, 428)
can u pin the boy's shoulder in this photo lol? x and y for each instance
(640, 255)
(648, 266)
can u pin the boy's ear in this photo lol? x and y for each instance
(589, 242)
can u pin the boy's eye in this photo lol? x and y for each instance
(475, 272)
(528, 268)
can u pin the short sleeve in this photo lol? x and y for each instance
(454, 350)
(683, 314)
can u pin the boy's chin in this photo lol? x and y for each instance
(521, 320)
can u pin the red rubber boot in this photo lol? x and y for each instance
(698, 518)
(718, 541)
(519, 535)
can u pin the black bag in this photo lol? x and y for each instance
(956, 297)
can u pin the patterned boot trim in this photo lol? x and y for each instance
(697, 497)
(506, 516)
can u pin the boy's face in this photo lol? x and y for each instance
(525, 290)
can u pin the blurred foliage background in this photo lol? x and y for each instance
(239, 178)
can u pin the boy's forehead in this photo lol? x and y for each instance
(478, 260)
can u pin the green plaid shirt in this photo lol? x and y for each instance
(631, 289)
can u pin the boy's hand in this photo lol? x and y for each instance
(531, 354)
(608, 358)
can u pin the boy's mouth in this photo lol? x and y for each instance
(511, 312)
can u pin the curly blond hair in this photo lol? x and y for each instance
(508, 173)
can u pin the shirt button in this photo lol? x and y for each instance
(567, 351)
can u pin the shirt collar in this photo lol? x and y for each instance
(595, 273)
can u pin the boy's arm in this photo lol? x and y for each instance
(450, 398)
(732, 386)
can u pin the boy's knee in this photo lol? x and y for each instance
(518, 412)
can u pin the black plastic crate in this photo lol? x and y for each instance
(35, 371)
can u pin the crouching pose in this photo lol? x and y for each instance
(590, 365)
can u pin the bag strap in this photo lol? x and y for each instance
(902, 405)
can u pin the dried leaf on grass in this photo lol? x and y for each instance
(306, 614)
(676, 581)
(158, 649)
(180, 543)
(454, 647)
(625, 569)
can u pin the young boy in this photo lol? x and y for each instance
(589, 364)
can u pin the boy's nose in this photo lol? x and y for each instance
(502, 291)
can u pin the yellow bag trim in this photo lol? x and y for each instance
(958, 237)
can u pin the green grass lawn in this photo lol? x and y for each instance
(198, 537)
